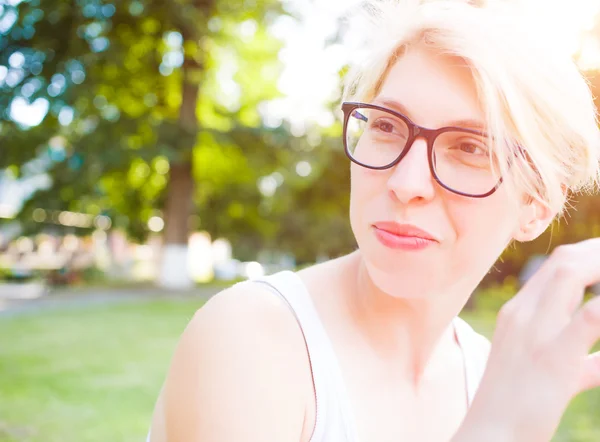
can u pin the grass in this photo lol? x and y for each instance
(86, 375)
(92, 374)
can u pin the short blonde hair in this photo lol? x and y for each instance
(532, 95)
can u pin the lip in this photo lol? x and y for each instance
(403, 236)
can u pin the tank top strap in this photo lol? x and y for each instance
(475, 350)
(333, 421)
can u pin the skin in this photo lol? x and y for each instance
(241, 372)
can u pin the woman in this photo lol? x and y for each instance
(463, 136)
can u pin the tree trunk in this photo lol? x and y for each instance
(174, 273)
(174, 269)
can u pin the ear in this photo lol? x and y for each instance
(534, 219)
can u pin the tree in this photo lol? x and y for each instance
(136, 105)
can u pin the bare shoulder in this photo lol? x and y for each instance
(240, 372)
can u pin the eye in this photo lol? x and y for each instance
(389, 126)
(384, 126)
(471, 147)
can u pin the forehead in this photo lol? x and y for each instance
(433, 90)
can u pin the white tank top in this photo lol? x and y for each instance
(334, 422)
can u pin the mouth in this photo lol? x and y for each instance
(406, 230)
(403, 236)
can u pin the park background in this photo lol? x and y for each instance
(154, 152)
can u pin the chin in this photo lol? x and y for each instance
(400, 277)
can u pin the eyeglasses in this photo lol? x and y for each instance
(460, 159)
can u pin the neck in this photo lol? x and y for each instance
(407, 332)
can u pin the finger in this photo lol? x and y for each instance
(557, 305)
(564, 276)
(583, 331)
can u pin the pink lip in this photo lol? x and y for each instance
(403, 236)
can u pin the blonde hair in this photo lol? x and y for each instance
(533, 95)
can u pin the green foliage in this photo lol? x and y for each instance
(114, 158)
(119, 73)
(117, 68)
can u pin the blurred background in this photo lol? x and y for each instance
(154, 152)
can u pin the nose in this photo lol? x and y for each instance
(411, 179)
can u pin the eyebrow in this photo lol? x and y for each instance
(399, 107)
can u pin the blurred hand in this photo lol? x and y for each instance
(540, 351)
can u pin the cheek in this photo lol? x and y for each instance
(366, 187)
(482, 225)
(366, 183)
(357, 186)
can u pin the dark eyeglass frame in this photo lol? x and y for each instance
(414, 131)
